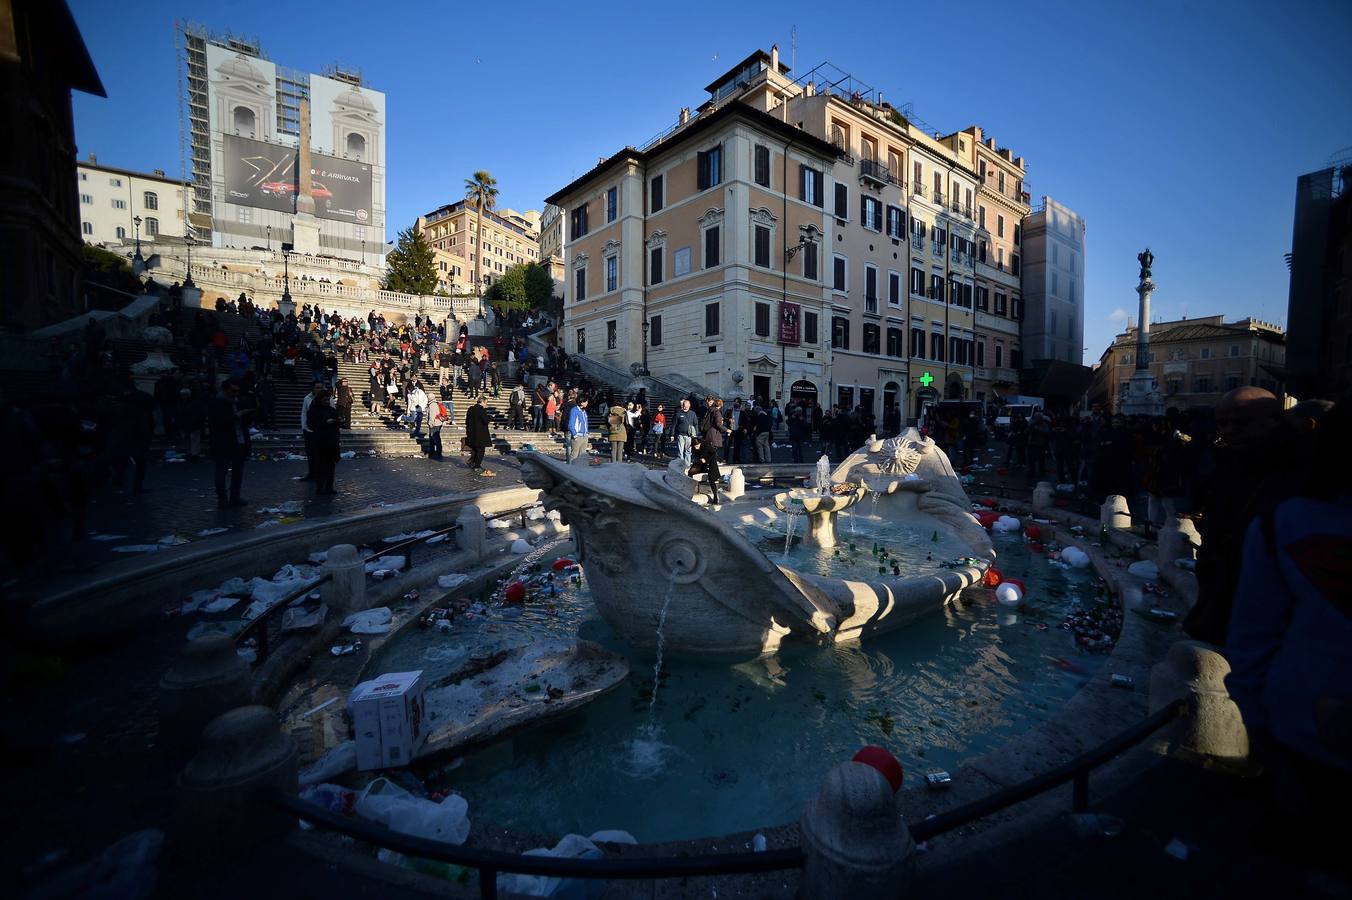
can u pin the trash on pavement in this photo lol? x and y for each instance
(1177, 849)
(371, 621)
(345, 649)
(388, 717)
(385, 562)
(334, 762)
(385, 802)
(570, 846)
(229, 629)
(304, 619)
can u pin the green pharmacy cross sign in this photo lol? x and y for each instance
(927, 379)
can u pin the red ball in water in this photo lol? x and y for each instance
(1023, 588)
(988, 503)
(515, 593)
(1033, 533)
(884, 762)
(1036, 547)
(562, 563)
(992, 578)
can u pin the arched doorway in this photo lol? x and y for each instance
(891, 408)
(244, 121)
(801, 391)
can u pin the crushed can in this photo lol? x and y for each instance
(1125, 682)
(938, 780)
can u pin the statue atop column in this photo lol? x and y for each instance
(1145, 259)
(1142, 396)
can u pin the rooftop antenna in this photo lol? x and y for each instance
(793, 46)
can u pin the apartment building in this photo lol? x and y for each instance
(1319, 302)
(111, 200)
(1053, 285)
(1195, 361)
(509, 238)
(1001, 205)
(704, 254)
(551, 242)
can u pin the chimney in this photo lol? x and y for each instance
(774, 59)
(880, 98)
(685, 115)
(810, 90)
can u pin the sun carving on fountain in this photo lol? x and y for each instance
(901, 456)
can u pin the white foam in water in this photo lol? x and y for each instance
(646, 756)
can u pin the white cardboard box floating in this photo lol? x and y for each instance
(389, 717)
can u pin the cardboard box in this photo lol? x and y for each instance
(389, 717)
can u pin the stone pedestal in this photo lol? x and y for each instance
(192, 296)
(855, 841)
(1043, 495)
(220, 812)
(1178, 539)
(1115, 513)
(345, 592)
(1142, 397)
(1197, 671)
(472, 535)
(305, 234)
(209, 678)
(736, 485)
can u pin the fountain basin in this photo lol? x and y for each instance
(821, 510)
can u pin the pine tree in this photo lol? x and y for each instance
(412, 265)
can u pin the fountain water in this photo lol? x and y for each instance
(647, 752)
(824, 476)
(873, 503)
(788, 532)
(661, 639)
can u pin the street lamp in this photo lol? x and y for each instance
(187, 280)
(286, 272)
(269, 238)
(136, 220)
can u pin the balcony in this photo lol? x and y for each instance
(918, 189)
(917, 243)
(938, 199)
(874, 171)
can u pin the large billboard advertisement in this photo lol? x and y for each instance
(341, 189)
(241, 94)
(259, 174)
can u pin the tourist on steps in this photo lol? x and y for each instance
(577, 431)
(477, 436)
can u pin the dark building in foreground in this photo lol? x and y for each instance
(1319, 307)
(42, 59)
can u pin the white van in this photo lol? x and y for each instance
(1016, 405)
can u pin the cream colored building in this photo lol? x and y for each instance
(509, 238)
(1001, 205)
(112, 198)
(551, 241)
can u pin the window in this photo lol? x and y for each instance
(938, 187)
(1018, 235)
(810, 261)
(150, 200)
(87, 199)
(84, 176)
(1055, 255)
(1203, 385)
(655, 265)
(870, 288)
(810, 328)
(711, 246)
(937, 347)
(1000, 177)
(119, 204)
(918, 282)
(121, 232)
(1234, 350)
(842, 201)
(612, 273)
(1206, 353)
(838, 273)
(580, 284)
(983, 298)
(762, 165)
(115, 182)
(981, 217)
(954, 292)
(981, 353)
(655, 331)
(1015, 358)
(612, 204)
(810, 185)
(1051, 319)
(918, 343)
(711, 319)
(1000, 257)
(152, 226)
(871, 337)
(577, 223)
(894, 288)
(762, 320)
(709, 171)
(1000, 220)
(581, 340)
(1014, 263)
(87, 227)
(1231, 382)
(999, 356)
(894, 342)
(763, 246)
(680, 262)
(657, 201)
(1001, 304)
(1016, 309)
(840, 333)
(981, 169)
(936, 291)
(967, 296)
(871, 213)
(896, 222)
(610, 335)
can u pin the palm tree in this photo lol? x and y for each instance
(481, 192)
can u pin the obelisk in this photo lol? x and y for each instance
(1142, 397)
(305, 227)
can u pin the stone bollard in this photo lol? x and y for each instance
(1178, 539)
(1214, 726)
(208, 679)
(736, 484)
(219, 811)
(1115, 513)
(855, 840)
(1043, 495)
(472, 535)
(345, 592)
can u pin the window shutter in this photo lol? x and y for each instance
(863, 211)
(803, 176)
(702, 170)
(818, 195)
(842, 202)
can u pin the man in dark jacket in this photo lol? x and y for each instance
(229, 442)
(710, 442)
(477, 435)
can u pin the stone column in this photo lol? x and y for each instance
(208, 679)
(219, 808)
(345, 592)
(1214, 727)
(1178, 539)
(472, 535)
(1043, 495)
(736, 484)
(855, 840)
(1116, 513)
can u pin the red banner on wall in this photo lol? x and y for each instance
(789, 318)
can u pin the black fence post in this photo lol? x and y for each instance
(488, 883)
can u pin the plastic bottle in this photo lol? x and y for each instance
(758, 843)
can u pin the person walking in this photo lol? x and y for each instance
(324, 428)
(229, 443)
(659, 431)
(441, 414)
(307, 433)
(687, 425)
(710, 442)
(516, 403)
(477, 436)
(345, 398)
(576, 447)
(539, 397)
(618, 434)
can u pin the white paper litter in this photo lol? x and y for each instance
(385, 562)
(501, 524)
(208, 532)
(453, 580)
(138, 548)
(371, 621)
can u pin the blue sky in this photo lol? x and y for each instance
(1178, 125)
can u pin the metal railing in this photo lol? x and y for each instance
(871, 168)
(918, 188)
(490, 863)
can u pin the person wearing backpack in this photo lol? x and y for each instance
(442, 413)
(617, 432)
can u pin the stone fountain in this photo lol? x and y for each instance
(646, 546)
(820, 503)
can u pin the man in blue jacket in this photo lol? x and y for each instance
(577, 431)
